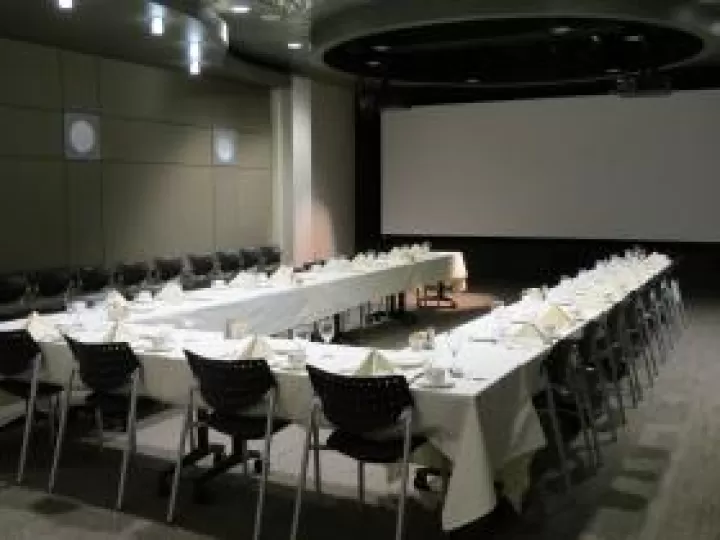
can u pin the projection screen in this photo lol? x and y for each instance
(605, 167)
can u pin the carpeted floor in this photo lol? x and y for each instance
(658, 482)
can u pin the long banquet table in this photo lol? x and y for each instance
(484, 424)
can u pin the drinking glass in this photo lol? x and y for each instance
(326, 329)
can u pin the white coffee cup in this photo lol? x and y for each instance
(435, 375)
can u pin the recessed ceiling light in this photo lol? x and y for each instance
(294, 45)
(560, 30)
(472, 80)
(595, 38)
(633, 38)
(65, 4)
(381, 48)
(240, 9)
(373, 63)
(612, 70)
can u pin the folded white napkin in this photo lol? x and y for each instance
(375, 363)
(243, 279)
(553, 318)
(40, 328)
(117, 306)
(172, 293)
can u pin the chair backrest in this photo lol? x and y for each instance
(271, 255)
(132, 274)
(167, 269)
(229, 261)
(231, 386)
(17, 350)
(201, 265)
(361, 404)
(104, 367)
(91, 279)
(251, 257)
(12, 288)
(53, 282)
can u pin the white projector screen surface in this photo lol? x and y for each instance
(593, 168)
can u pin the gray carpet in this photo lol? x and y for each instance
(659, 481)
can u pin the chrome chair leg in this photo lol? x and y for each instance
(61, 433)
(404, 475)
(29, 417)
(557, 436)
(303, 474)
(130, 436)
(361, 481)
(266, 466)
(316, 458)
(186, 428)
(52, 418)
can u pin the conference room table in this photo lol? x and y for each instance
(482, 422)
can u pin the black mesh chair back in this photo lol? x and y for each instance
(92, 279)
(17, 351)
(231, 386)
(229, 262)
(167, 269)
(271, 255)
(251, 257)
(54, 282)
(361, 404)
(201, 265)
(132, 274)
(12, 288)
(104, 367)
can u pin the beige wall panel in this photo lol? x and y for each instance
(243, 207)
(32, 214)
(152, 142)
(30, 133)
(30, 75)
(254, 151)
(154, 210)
(85, 213)
(80, 81)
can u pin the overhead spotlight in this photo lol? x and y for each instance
(613, 71)
(595, 38)
(373, 63)
(560, 30)
(240, 9)
(65, 4)
(472, 80)
(634, 38)
(157, 19)
(294, 45)
(381, 48)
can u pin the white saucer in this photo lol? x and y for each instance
(427, 384)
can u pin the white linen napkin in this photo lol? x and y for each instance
(172, 293)
(375, 363)
(40, 328)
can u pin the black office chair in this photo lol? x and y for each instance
(14, 289)
(229, 263)
(251, 258)
(201, 271)
(51, 289)
(107, 370)
(92, 279)
(132, 277)
(228, 389)
(372, 421)
(168, 269)
(271, 257)
(20, 356)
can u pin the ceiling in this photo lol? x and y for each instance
(406, 52)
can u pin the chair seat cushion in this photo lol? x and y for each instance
(244, 427)
(21, 389)
(388, 450)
